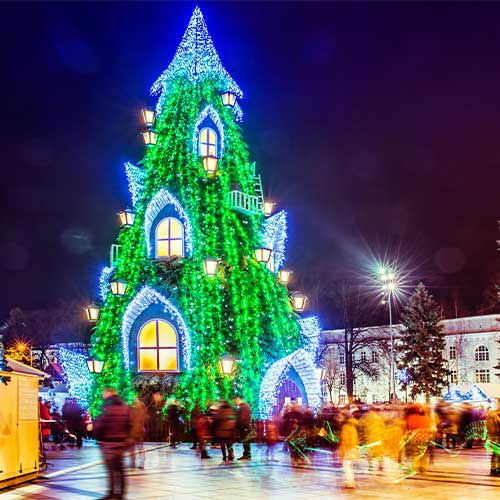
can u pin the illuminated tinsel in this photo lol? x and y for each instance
(311, 332)
(76, 374)
(162, 199)
(104, 279)
(303, 363)
(195, 59)
(211, 113)
(274, 237)
(145, 298)
(135, 177)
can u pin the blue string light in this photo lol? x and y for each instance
(275, 236)
(104, 279)
(136, 178)
(76, 375)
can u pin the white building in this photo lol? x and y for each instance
(472, 351)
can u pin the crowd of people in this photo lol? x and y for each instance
(396, 440)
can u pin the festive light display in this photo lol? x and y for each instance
(303, 363)
(104, 279)
(162, 199)
(195, 59)
(214, 116)
(76, 374)
(145, 298)
(274, 236)
(311, 331)
(135, 178)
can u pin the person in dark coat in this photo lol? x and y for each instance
(112, 430)
(244, 426)
(225, 425)
(72, 414)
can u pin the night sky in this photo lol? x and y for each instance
(376, 126)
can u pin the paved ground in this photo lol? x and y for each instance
(180, 475)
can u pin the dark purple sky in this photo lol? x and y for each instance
(377, 126)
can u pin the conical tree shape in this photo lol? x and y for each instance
(422, 346)
(243, 310)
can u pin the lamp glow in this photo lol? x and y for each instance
(263, 254)
(210, 266)
(150, 137)
(228, 99)
(284, 276)
(210, 164)
(95, 365)
(92, 311)
(127, 217)
(268, 207)
(118, 287)
(226, 364)
(299, 301)
(148, 117)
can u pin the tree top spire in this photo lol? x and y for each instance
(195, 59)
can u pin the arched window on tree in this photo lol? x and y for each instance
(482, 353)
(169, 241)
(208, 142)
(157, 347)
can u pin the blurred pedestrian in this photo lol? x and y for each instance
(73, 413)
(193, 423)
(138, 416)
(112, 431)
(493, 426)
(349, 450)
(175, 423)
(371, 432)
(418, 434)
(244, 426)
(204, 425)
(225, 427)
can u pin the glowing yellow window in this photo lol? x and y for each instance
(169, 238)
(208, 142)
(157, 346)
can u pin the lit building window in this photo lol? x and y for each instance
(208, 142)
(341, 358)
(157, 347)
(482, 354)
(169, 238)
(483, 376)
(342, 379)
(453, 377)
(363, 357)
(342, 399)
(453, 352)
(374, 357)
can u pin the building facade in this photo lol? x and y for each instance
(472, 350)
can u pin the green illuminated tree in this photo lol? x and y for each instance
(421, 350)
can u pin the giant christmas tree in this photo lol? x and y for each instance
(195, 272)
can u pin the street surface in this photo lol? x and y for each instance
(179, 474)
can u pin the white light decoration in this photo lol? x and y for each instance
(209, 111)
(268, 207)
(311, 331)
(210, 165)
(228, 99)
(284, 276)
(150, 137)
(92, 311)
(303, 363)
(263, 254)
(210, 266)
(274, 236)
(148, 117)
(126, 217)
(145, 298)
(76, 374)
(299, 301)
(118, 287)
(104, 279)
(156, 205)
(195, 59)
(136, 178)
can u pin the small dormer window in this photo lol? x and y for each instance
(208, 142)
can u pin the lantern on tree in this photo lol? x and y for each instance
(228, 99)
(210, 164)
(92, 311)
(268, 207)
(298, 301)
(284, 276)
(226, 364)
(150, 137)
(118, 287)
(127, 217)
(95, 365)
(148, 116)
(210, 266)
(263, 254)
